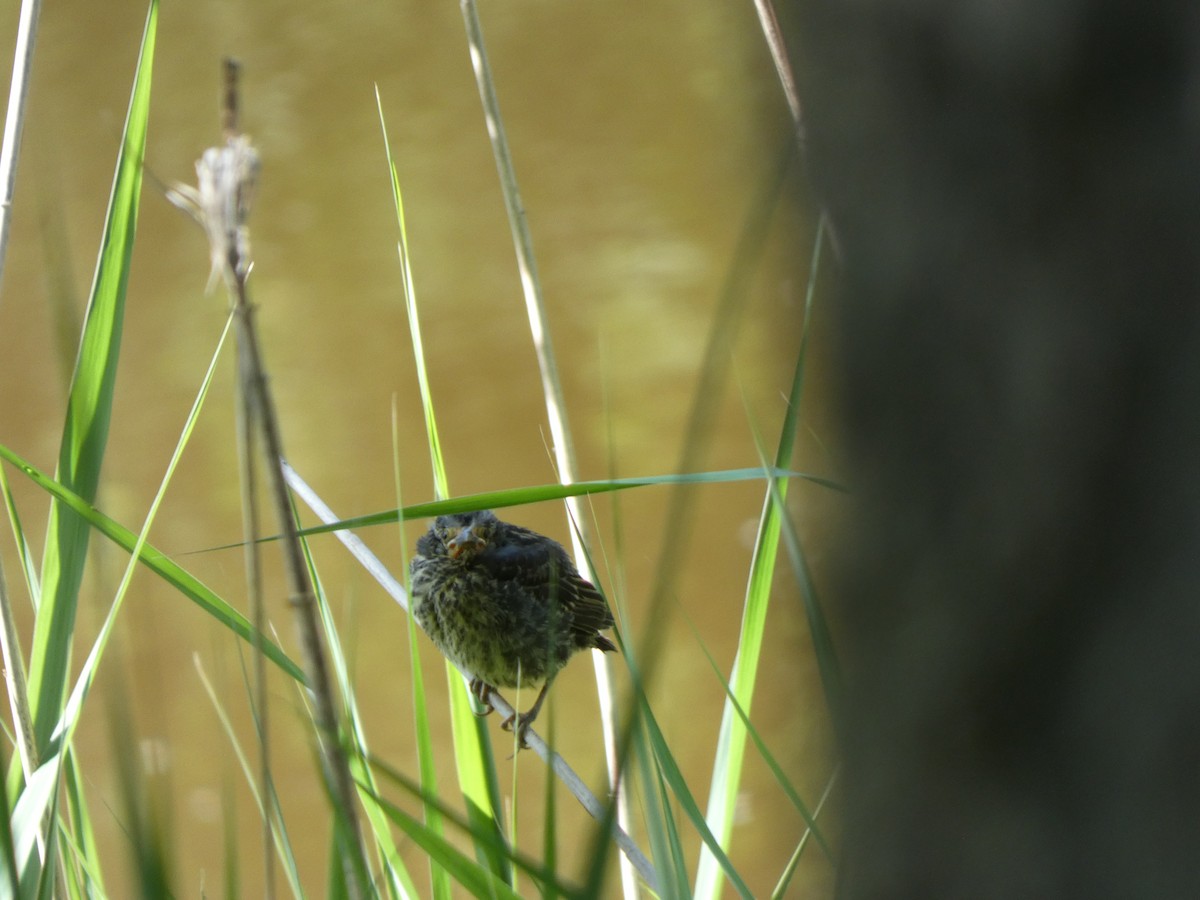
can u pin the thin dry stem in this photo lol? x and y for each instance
(14, 120)
(783, 68)
(221, 203)
(253, 561)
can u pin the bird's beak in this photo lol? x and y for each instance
(466, 540)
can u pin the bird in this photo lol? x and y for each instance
(505, 604)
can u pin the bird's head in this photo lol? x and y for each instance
(464, 535)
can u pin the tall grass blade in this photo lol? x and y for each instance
(731, 741)
(789, 870)
(472, 746)
(421, 730)
(15, 677)
(422, 733)
(9, 878)
(781, 779)
(414, 319)
(669, 771)
(88, 868)
(562, 442)
(89, 409)
(62, 758)
(479, 880)
(27, 816)
(14, 674)
(827, 660)
(549, 818)
(426, 767)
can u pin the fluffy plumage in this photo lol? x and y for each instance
(505, 603)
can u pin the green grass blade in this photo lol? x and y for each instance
(422, 735)
(543, 492)
(827, 660)
(475, 764)
(9, 879)
(398, 878)
(414, 321)
(28, 814)
(267, 800)
(473, 757)
(15, 680)
(776, 770)
(426, 766)
(539, 872)
(186, 583)
(549, 816)
(789, 869)
(669, 770)
(479, 880)
(82, 842)
(670, 830)
(21, 539)
(89, 409)
(666, 877)
(151, 861)
(731, 741)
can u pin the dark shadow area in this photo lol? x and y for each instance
(1015, 190)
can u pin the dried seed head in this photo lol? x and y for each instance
(220, 203)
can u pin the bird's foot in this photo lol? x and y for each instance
(482, 691)
(523, 720)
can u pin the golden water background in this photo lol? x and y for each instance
(642, 135)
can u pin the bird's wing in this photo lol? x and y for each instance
(542, 565)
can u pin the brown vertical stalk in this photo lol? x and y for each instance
(221, 203)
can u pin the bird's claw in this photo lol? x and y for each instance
(482, 692)
(524, 720)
